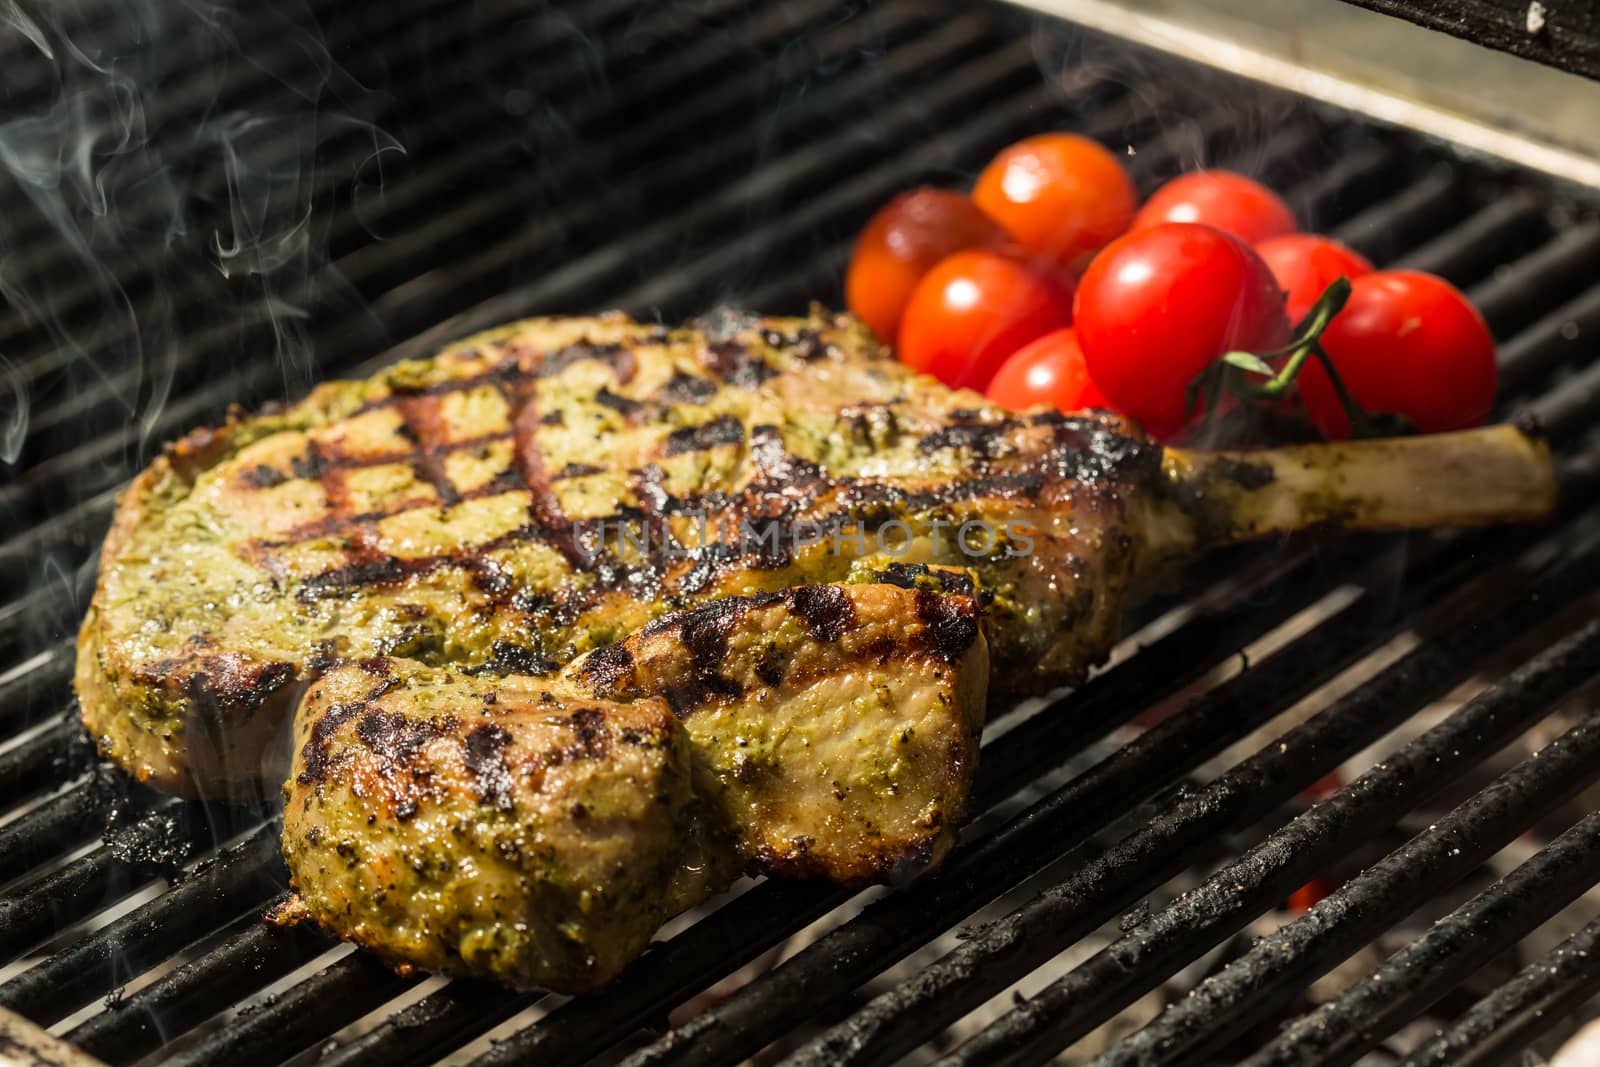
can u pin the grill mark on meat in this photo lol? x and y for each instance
(620, 358)
(262, 476)
(545, 507)
(315, 754)
(722, 430)
(627, 407)
(485, 756)
(951, 626)
(733, 362)
(826, 609)
(507, 658)
(577, 470)
(396, 739)
(686, 389)
(423, 416)
(985, 440)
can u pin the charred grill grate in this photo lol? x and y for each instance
(663, 160)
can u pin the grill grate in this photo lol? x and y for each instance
(664, 159)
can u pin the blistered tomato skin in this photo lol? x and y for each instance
(1230, 202)
(1060, 195)
(1159, 305)
(1408, 343)
(901, 242)
(1305, 264)
(1047, 371)
(974, 309)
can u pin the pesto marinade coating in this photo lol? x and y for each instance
(538, 829)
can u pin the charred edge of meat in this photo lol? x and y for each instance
(922, 576)
(804, 342)
(951, 628)
(722, 430)
(828, 612)
(226, 681)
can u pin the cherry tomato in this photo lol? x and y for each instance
(1158, 306)
(974, 309)
(1245, 208)
(1060, 195)
(901, 242)
(1047, 371)
(1306, 264)
(1410, 343)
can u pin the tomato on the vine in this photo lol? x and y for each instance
(1231, 202)
(1050, 371)
(1060, 195)
(1305, 264)
(901, 242)
(1159, 305)
(975, 308)
(1406, 343)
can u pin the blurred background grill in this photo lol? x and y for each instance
(205, 207)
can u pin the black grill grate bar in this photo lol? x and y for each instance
(1505, 227)
(1071, 1006)
(1527, 288)
(1321, 199)
(1423, 207)
(253, 954)
(1564, 336)
(1518, 1011)
(1252, 986)
(130, 857)
(239, 878)
(39, 681)
(1002, 952)
(76, 295)
(478, 273)
(1422, 973)
(1569, 408)
(299, 1017)
(38, 762)
(63, 822)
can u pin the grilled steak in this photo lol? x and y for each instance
(538, 830)
(641, 542)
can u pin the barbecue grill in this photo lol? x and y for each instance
(207, 207)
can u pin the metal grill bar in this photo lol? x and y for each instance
(1513, 299)
(331, 998)
(986, 963)
(255, 955)
(1375, 898)
(1469, 937)
(1506, 1019)
(242, 877)
(1263, 979)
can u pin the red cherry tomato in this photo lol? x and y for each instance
(1410, 343)
(901, 242)
(1047, 371)
(1245, 208)
(1060, 195)
(1158, 306)
(1305, 264)
(974, 309)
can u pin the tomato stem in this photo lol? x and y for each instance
(1234, 370)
